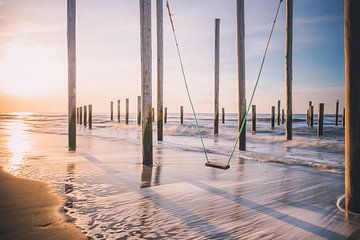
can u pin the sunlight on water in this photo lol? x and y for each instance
(18, 143)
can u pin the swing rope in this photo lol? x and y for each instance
(253, 92)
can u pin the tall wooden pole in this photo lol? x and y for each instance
(272, 117)
(253, 118)
(217, 68)
(352, 107)
(90, 116)
(288, 67)
(278, 113)
(112, 111)
(320, 129)
(160, 70)
(165, 115)
(85, 116)
(240, 42)
(71, 45)
(118, 110)
(223, 115)
(181, 115)
(139, 110)
(337, 113)
(127, 112)
(80, 108)
(146, 81)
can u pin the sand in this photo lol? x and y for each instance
(28, 210)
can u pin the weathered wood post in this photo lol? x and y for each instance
(240, 43)
(127, 112)
(352, 100)
(90, 116)
(139, 110)
(85, 116)
(320, 128)
(181, 115)
(272, 117)
(112, 111)
(71, 47)
(253, 118)
(312, 116)
(217, 68)
(288, 67)
(77, 115)
(118, 110)
(282, 116)
(80, 115)
(165, 115)
(223, 115)
(308, 114)
(146, 81)
(278, 112)
(153, 114)
(160, 69)
(343, 118)
(337, 113)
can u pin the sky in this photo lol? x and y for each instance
(33, 54)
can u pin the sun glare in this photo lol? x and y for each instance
(30, 70)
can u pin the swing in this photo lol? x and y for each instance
(208, 162)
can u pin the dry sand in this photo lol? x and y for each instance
(28, 210)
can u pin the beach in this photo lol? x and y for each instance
(109, 194)
(29, 210)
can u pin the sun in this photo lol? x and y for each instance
(31, 70)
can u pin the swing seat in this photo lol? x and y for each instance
(217, 165)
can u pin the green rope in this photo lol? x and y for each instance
(256, 84)
(253, 92)
(186, 85)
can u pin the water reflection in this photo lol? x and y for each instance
(146, 175)
(18, 143)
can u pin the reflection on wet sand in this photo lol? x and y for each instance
(18, 143)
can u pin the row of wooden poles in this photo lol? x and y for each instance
(352, 86)
(82, 116)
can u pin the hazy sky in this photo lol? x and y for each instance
(33, 67)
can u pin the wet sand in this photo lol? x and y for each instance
(29, 211)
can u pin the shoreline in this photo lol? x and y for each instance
(29, 210)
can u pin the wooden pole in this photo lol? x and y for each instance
(165, 115)
(320, 128)
(253, 118)
(308, 117)
(146, 81)
(278, 113)
(181, 115)
(77, 115)
(160, 69)
(272, 117)
(312, 116)
(343, 118)
(337, 113)
(85, 116)
(217, 69)
(80, 115)
(282, 116)
(71, 47)
(240, 43)
(90, 116)
(118, 111)
(127, 112)
(352, 108)
(288, 67)
(153, 114)
(112, 111)
(139, 110)
(223, 115)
